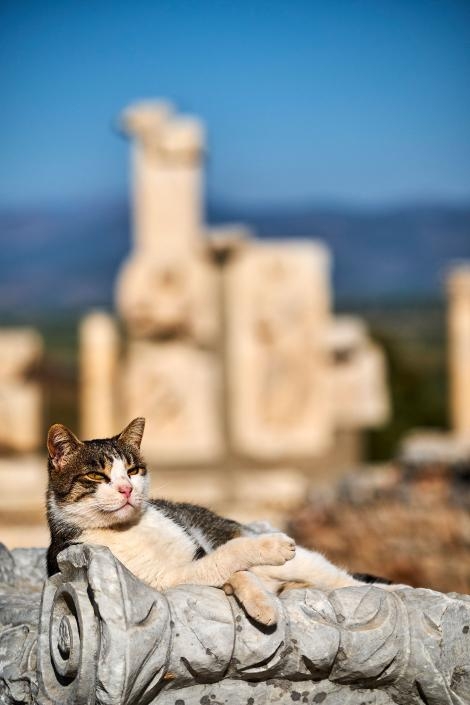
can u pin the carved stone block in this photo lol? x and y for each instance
(176, 387)
(169, 297)
(358, 375)
(20, 395)
(102, 636)
(20, 416)
(277, 309)
(20, 352)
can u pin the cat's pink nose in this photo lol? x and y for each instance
(125, 490)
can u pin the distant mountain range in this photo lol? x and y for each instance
(67, 258)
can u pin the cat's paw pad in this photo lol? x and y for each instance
(261, 608)
(276, 549)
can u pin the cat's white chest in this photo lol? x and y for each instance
(148, 549)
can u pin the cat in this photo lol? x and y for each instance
(98, 493)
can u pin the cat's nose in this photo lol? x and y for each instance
(125, 490)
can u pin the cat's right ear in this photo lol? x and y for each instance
(132, 434)
(61, 443)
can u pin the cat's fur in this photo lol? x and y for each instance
(167, 543)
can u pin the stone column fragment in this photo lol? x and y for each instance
(99, 357)
(459, 348)
(167, 293)
(167, 184)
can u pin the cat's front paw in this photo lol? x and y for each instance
(276, 549)
(261, 607)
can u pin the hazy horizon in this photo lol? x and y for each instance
(272, 206)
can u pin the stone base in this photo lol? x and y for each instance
(99, 635)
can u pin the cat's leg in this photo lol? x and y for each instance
(307, 568)
(255, 598)
(238, 554)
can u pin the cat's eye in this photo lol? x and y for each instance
(96, 476)
(133, 471)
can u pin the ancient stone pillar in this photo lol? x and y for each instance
(167, 292)
(459, 348)
(99, 353)
(166, 190)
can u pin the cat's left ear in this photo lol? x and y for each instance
(61, 443)
(132, 434)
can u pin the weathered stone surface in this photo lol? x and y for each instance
(167, 287)
(99, 359)
(175, 386)
(167, 178)
(169, 297)
(105, 637)
(167, 294)
(277, 311)
(20, 395)
(273, 690)
(20, 352)
(358, 375)
(425, 448)
(22, 573)
(20, 416)
(459, 348)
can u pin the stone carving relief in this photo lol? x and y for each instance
(105, 637)
(169, 298)
(276, 312)
(175, 386)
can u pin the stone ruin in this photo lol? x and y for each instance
(458, 287)
(99, 635)
(447, 452)
(20, 392)
(230, 349)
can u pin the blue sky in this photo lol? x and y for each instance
(363, 101)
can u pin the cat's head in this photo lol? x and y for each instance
(99, 483)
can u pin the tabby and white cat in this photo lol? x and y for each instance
(98, 493)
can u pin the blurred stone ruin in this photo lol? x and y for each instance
(20, 393)
(229, 346)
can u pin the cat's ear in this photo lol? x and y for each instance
(61, 443)
(132, 434)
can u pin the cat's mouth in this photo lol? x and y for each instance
(126, 505)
